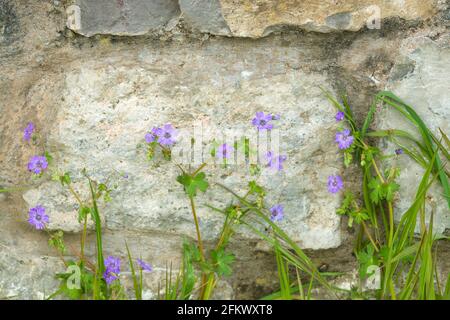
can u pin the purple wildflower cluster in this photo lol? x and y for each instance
(37, 217)
(28, 131)
(399, 151)
(112, 269)
(275, 162)
(344, 139)
(37, 164)
(263, 121)
(165, 135)
(224, 151)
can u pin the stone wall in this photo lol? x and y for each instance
(95, 76)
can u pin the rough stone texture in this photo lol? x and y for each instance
(109, 105)
(124, 17)
(253, 18)
(205, 16)
(256, 18)
(94, 98)
(421, 78)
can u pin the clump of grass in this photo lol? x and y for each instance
(407, 260)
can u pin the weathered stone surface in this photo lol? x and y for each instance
(62, 204)
(108, 108)
(244, 19)
(65, 85)
(257, 18)
(421, 78)
(122, 17)
(28, 277)
(205, 16)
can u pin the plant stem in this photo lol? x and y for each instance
(83, 237)
(366, 231)
(197, 228)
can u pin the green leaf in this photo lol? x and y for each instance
(82, 213)
(366, 258)
(56, 240)
(254, 169)
(376, 195)
(65, 179)
(360, 216)
(192, 184)
(346, 204)
(390, 189)
(222, 262)
(256, 188)
(348, 157)
(48, 157)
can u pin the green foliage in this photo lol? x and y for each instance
(366, 258)
(56, 241)
(192, 184)
(221, 262)
(408, 265)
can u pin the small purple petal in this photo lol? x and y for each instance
(340, 116)
(144, 266)
(263, 121)
(28, 131)
(335, 184)
(37, 164)
(344, 139)
(399, 151)
(224, 151)
(277, 213)
(112, 269)
(275, 162)
(149, 138)
(166, 135)
(37, 217)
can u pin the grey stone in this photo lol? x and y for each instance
(205, 16)
(340, 21)
(124, 18)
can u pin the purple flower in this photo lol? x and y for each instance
(109, 277)
(399, 151)
(112, 269)
(153, 135)
(28, 131)
(166, 135)
(37, 164)
(263, 121)
(144, 266)
(37, 217)
(335, 184)
(275, 162)
(344, 139)
(149, 137)
(340, 116)
(224, 151)
(276, 213)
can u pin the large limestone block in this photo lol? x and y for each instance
(110, 103)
